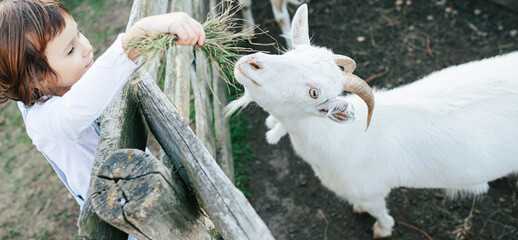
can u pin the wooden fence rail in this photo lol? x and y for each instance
(185, 194)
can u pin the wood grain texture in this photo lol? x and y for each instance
(122, 127)
(202, 103)
(221, 126)
(225, 205)
(138, 193)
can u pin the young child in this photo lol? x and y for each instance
(47, 66)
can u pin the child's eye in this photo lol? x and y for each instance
(71, 50)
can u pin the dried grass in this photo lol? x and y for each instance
(221, 46)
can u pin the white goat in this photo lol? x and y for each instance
(280, 13)
(455, 129)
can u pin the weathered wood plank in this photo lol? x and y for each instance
(222, 127)
(225, 205)
(177, 84)
(202, 103)
(122, 131)
(137, 193)
(178, 74)
(211, 126)
(122, 127)
(144, 8)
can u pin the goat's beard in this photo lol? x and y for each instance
(241, 102)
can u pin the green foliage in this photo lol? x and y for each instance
(215, 234)
(44, 234)
(86, 13)
(7, 164)
(12, 233)
(61, 216)
(73, 4)
(240, 131)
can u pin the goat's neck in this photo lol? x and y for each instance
(313, 125)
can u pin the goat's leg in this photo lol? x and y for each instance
(280, 12)
(276, 133)
(358, 209)
(375, 206)
(271, 121)
(276, 130)
(247, 15)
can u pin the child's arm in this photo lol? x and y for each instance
(188, 30)
(75, 111)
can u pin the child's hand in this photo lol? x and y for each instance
(188, 30)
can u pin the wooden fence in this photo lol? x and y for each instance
(184, 194)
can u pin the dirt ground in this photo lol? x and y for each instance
(34, 203)
(383, 36)
(401, 41)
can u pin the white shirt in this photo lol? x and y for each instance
(61, 128)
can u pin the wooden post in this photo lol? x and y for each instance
(178, 76)
(122, 127)
(221, 126)
(225, 205)
(121, 131)
(223, 144)
(202, 103)
(138, 193)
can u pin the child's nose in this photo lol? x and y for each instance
(87, 48)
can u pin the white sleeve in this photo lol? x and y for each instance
(75, 111)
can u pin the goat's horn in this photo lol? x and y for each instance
(346, 62)
(356, 85)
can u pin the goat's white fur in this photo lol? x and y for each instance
(455, 129)
(280, 13)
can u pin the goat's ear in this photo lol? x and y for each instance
(347, 63)
(338, 110)
(299, 27)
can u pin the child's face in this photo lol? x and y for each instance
(70, 55)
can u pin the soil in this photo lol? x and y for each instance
(283, 188)
(34, 203)
(397, 42)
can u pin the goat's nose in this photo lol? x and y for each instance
(254, 64)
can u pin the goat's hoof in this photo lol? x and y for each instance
(357, 209)
(380, 232)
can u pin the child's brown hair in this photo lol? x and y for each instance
(26, 27)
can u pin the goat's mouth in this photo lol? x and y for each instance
(246, 76)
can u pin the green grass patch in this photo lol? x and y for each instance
(12, 233)
(91, 20)
(8, 164)
(240, 131)
(44, 234)
(73, 4)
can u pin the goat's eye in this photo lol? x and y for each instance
(314, 92)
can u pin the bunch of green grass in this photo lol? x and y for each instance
(221, 46)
